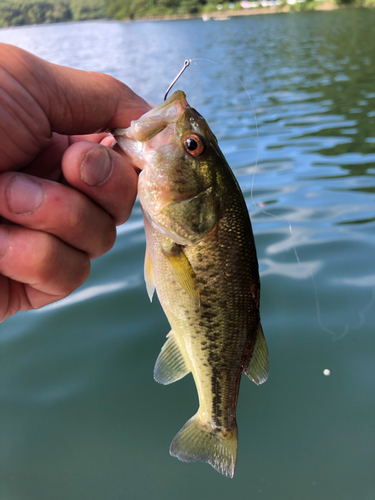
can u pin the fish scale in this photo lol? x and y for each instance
(201, 259)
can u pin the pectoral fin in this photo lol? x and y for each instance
(183, 271)
(149, 275)
(170, 365)
(258, 367)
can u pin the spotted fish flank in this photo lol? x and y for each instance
(201, 259)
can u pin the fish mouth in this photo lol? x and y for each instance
(155, 120)
(163, 139)
(153, 131)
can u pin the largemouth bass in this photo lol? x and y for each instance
(202, 261)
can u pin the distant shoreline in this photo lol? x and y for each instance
(218, 15)
(221, 15)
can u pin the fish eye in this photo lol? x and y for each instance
(194, 145)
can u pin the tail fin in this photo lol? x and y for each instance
(198, 441)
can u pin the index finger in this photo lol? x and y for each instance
(38, 98)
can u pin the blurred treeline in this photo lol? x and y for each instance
(20, 12)
(132, 9)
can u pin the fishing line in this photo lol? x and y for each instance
(347, 327)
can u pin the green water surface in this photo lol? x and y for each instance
(81, 417)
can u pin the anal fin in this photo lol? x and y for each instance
(170, 365)
(258, 368)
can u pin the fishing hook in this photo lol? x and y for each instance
(186, 64)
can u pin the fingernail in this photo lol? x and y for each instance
(4, 233)
(25, 195)
(96, 166)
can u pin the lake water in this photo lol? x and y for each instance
(81, 417)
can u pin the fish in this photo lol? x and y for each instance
(201, 259)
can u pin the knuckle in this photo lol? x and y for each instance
(83, 271)
(107, 238)
(46, 260)
(111, 234)
(59, 267)
(76, 273)
(93, 230)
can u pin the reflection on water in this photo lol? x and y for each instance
(81, 417)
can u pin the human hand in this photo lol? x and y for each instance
(61, 195)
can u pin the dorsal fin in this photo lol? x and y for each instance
(258, 368)
(170, 365)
